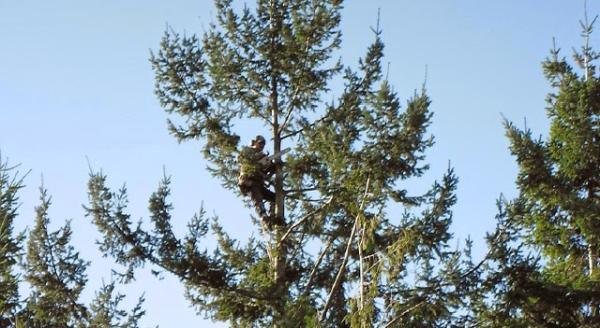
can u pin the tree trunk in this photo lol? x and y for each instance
(278, 260)
(279, 252)
(592, 256)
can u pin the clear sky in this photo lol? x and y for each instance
(75, 81)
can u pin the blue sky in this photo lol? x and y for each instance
(75, 82)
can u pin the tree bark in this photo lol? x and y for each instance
(592, 256)
(279, 251)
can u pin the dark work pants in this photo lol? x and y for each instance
(258, 194)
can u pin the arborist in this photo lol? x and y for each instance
(256, 167)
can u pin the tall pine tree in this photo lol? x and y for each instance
(383, 255)
(544, 271)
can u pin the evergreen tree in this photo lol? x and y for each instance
(544, 271)
(10, 246)
(52, 271)
(55, 272)
(105, 310)
(56, 277)
(339, 187)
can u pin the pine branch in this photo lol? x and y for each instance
(145, 255)
(293, 133)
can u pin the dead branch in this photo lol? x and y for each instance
(340, 273)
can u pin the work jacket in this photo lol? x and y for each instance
(254, 165)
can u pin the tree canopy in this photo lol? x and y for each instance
(544, 268)
(348, 243)
(51, 270)
(351, 232)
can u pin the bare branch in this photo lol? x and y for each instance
(293, 133)
(290, 109)
(299, 222)
(313, 272)
(389, 324)
(338, 278)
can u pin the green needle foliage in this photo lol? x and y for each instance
(356, 248)
(51, 271)
(56, 277)
(10, 246)
(105, 310)
(545, 271)
(55, 272)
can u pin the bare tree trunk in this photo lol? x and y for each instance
(278, 259)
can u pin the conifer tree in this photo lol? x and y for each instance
(10, 246)
(544, 271)
(383, 256)
(55, 272)
(105, 309)
(51, 270)
(56, 277)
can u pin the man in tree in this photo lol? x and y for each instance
(337, 255)
(255, 168)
